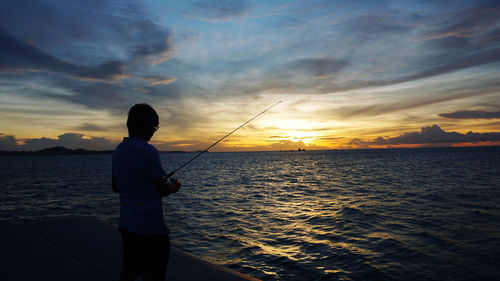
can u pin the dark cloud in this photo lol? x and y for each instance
(400, 46)
(435, 66)
(152, 43)
(428, 97)
(457, 39)
(436, 135)
(8, 143)
(465, 27)
(98, 42)
(358, 143)
(372, 44)
(492, 36)
(68, 140)
(222, 10)
(293, 76)
(115, 97)
(318, 67)
(446, 41)
(66, 36)
(52, 23)
(460, 38)
(91, 127)
(19, 55)
(471, 114)
(93, 95)
(446, 64)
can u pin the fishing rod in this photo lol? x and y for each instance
(182, 166)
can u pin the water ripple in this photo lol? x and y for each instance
(409, 214)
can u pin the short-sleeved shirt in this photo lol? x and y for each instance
(135, 163)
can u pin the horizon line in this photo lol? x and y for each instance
(105, 151)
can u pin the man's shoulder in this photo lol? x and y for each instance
(146, 148)
(149, 147)
(135, 146)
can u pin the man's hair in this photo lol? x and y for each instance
(140, 116)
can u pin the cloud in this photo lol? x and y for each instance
(471, 114)
(370, 26)
(133, 38)
(19, 55)
(320, 68)
(221, 10)
(434, 66)
(330, 138)
(455, 39)
(8, 143)
(357, 143)
(449, 63)
(91, 127)
(92, 95)
(159, 80)
(405, 46)
(435, 135)
(152, 43)
(311, 74)
(83, 54)
(467, 26)
(68, 140)
(96, 32)
(289, 145)
(439, 96)
(180, 145)
(398, 47)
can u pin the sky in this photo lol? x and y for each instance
(351, 74)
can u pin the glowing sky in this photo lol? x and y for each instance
(351, 74)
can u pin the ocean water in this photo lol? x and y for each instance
(398, 214)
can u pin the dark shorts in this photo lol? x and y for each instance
(145, 252)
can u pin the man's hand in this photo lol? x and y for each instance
(175, 184)
(164, 188)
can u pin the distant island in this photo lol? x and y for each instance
(60, 150)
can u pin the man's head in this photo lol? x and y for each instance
(142, 121)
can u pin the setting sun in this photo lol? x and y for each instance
(297, 136)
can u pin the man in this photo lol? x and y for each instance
(140, 179)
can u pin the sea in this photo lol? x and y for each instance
(388, 214)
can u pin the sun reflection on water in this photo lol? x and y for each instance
(333, 215)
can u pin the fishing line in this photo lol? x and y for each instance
(241, 126)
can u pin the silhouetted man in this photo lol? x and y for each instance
(140, 179)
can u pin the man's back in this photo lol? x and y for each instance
(135, 163)
(141, 181)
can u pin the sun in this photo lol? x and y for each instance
(297, 136)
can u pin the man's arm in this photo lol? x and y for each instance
(114, 185)
(165, 188)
